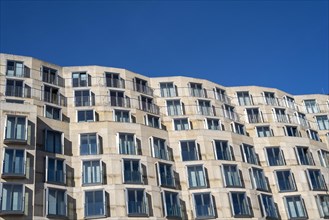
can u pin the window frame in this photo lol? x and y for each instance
(188, 146)
(85, 110)
(135, 147)
(121, 111)
(230, 170)
(320, 206)
(209, 126)
(258, 182)
(47, 170)
(46, 140)
(228, 151)
(247, 205)
(140, 171)
(264, 209)
(319, 180)
(24, 160)
(171, 175)
(104, 214)
(153, 150)
(288, 209)
(308, 156)
(15, 128)
(197, 176)
(211, 213)
(22, 199)
(176, 209)
(47, 202)
(180, 120)
(92, 173)
(280, 156)
(291, 180)
(144, 201)
(98, 147)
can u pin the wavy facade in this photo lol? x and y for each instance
(99, 142)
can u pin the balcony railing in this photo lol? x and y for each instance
(115, 83)
(207, 111)
(223, 98)
(204, 211)
(132, 176)
(174, 211)
(231, 115)
(54, 98)
(18, 91)
(15, 135)
(119, 101)
(21, 73)
(149, 107)
(84, 101)
(137, 208)
(54, 80)
(143, 89)
(198, 93)
(167, 180)
(161, 153)
(255, 119)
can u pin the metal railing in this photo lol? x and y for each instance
(115, 83)
(18, 91)
(149, 107)
(119, 101)
(143, 89)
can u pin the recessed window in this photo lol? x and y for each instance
(16, 128)
(55, 170)
(285, 180)
(89, 144)
(290, 102)
(249, 155)
(51, 95)
(132, 171)
(230, 113)
(222, 150)
(231, 175)
(81, 79)
(189, 150)
(314, 135)
(86, 116)
(203, 205)
(12, 198)
(136, 202)
(238, 128)
(159, 148)
(254, 115)
(54, 141)
(114, 80)
(323, 122)
(301, 119)
(311, 106)
(141, 85)
(304, 156)
(153, 121)
(167, 89)
(174, 107)
(291, 131)
(316, 180)
(56, 202)
(49, 75)
(92, 172)
(166, 175)
(270, 98)
(181, 124)
(295, 207)
(258, 179)
(17, 88)
(197, 91)
(240, 204)
(172, 204)
(196, 176)
(84, 98)
(268, 208)
(280, 115)
(121, 115)
(244, 98)
(323, 205)
(324, 158)
(220, 95)
(274, 156)
(127, 144)
(205, 108)
(95, 204)
(263, 131)
(52, 112)
(118, 98)
(17, 69)
(14, 162)
(213, 124)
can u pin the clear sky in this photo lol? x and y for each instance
(279, 43)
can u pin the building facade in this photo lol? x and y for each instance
(88, 142)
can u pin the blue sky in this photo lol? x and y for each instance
(281, 44)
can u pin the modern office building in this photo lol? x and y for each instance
(99, 142)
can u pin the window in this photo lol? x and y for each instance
(181, 124)
(153, 121)
(114, 80)
(231, 175)
(136, 202)
(274, 156)
(89, 144)
(17, 88)
(174, 107)
(311, 106)
(196, 90)
(146, 104)
(291, 131)
(301, 119)
(166, 175)
(324, 158)
(171, 204)
(167, 89)
(56, 202)
(203, 205)
(127, 144)
(238, 128)
(16, 128)
(220, 95)
(249, 155)
(290, 102)
(121, 116)
(196, 176)
(189, 150)
(55, 170)
(141, 85)
(285, 180)
(239, 204)
(117, 98)
(264, 131)
(313, 135)
(295, 207)
(244, 98)
(270, 98)
(95, 203)
(54, 141)
(254, 115)
(14, 162)
(86, 116)
(52, 112)
(229, 112)
(213, 124)
(17, 69)
(304, 156)
(258, 179)
(268, 208)
(84, 98)
(316, 179)
(132, 171)
(51, 95)
(205, 108)
(222, 150)
(323, 122)
(92, 172)
(81, 79)
(12, 198)
(159, 148)
(323, 205)
(49, 75)
(280, 115)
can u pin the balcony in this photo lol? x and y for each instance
(18, 71)
(115, 83)
(53, 79)
(18, 91)
(149, 107)
(120, 101)
(143, 89)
